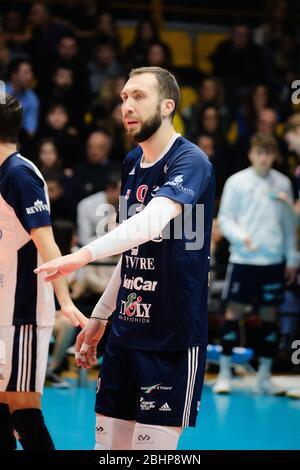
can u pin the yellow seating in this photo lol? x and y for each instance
(206, 44)
(188, 97)
(127, 35)
(181, 47)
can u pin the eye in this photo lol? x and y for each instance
(139, 97)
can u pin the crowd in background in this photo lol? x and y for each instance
(68, 73)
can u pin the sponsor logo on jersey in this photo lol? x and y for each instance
(141, 192)
(137, 262)
(138, 283)
(177, 182)
(134, 310)
(166, 168)
(165, 407)
(134, 251)
(146, 405)
(159, 387)
(38, 206)
(154, 190)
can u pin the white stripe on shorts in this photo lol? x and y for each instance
(191, 378)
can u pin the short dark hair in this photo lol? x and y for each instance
(167, 84)
(265, 142)
(11, 116)
(15, 66)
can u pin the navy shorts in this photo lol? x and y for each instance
(256, 285)
(151, 387)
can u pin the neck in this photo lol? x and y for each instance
(153, 147)
(261, 172)
(6, 150)
(15, 86)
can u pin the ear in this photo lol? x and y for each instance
(167, 107)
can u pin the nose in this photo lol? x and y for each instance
(127, 106)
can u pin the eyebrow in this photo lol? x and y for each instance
(137, 90)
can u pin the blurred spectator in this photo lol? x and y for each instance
(92, 209)
(106, 28)
(258, 98)
(256, 218)
(48, 161)
(62, 206)
(103, 65)
(96, 215)
(85, 18)
(211, 93)
(4, 58)
(218, 158)
(277, 25)
(146, 34)
(159, 55)
(91, 175)
(266, 124)
(121, 144)
(63, 90)
(48, 158)
(14, 35)
(69, 54)
(109, 93)
(20, 86)
(238, 61)
(209, 123)
(43, 43)
(57, 127)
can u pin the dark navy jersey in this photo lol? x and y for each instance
(162, 301)
(24, 297)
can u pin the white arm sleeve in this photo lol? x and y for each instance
(107, 302)
(138, 229)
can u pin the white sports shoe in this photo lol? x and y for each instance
(267, 387)
(222, 385)
(293, 393)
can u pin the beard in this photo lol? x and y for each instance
(148, 128)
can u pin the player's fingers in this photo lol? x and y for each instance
(53, 276)
(45, 267)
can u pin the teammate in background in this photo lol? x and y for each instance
(258, 220)
(27, 302)
(153, 367)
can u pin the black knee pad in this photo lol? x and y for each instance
(7, 438)
(31, 429)
(269, 339)
(230, 336)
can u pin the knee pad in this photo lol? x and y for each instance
(152, 437)
(269, 339)
(113, 433)
(230, 336)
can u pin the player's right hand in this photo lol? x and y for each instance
(249, 244)
(65, 264)
(86, 343)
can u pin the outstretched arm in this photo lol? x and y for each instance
(140, 228)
